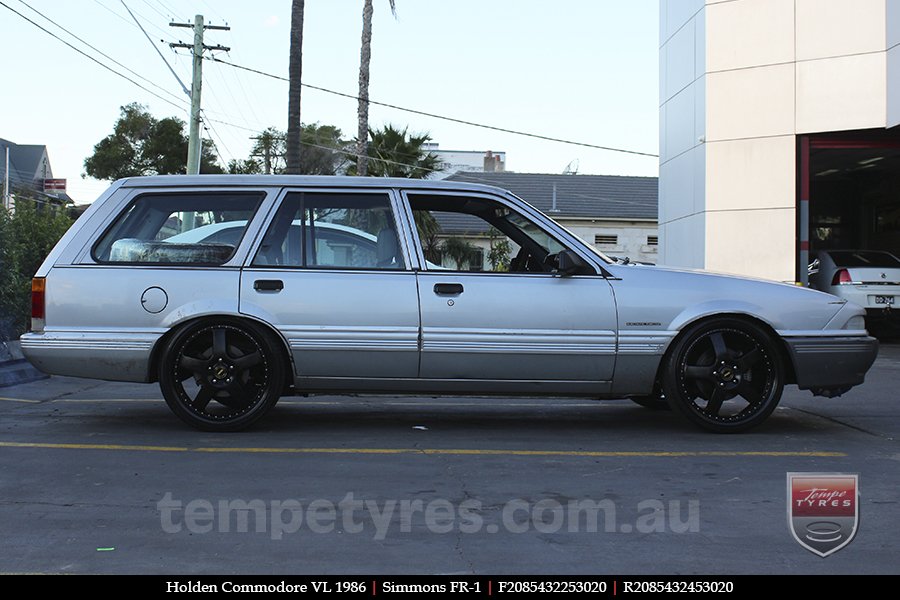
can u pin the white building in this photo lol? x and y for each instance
(776, 134)
(466, 161)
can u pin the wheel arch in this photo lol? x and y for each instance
(162, 342)
(784, 355)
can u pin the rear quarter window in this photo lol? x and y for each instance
(201, 228)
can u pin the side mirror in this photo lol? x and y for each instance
(569, 263)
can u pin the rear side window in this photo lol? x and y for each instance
(317, 230)
(197, 228)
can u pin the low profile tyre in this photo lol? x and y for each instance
(725, 375)
(222, 375)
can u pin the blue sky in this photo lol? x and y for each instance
(585, 70)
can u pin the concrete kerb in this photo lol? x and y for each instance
(14, 367)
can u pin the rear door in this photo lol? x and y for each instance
(332, 275)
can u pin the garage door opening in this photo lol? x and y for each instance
(849, 201)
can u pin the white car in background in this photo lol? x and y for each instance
(870, 278)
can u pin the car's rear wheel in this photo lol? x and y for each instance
(221, 375)
(725, 375)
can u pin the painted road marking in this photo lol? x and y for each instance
(21, 400)
(428, 451)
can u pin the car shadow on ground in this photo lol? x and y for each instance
(384, 421)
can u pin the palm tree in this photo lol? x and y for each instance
(295, 70)
(365, 57)
(395, 152)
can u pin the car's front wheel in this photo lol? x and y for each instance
(221, 375)
(725, 375)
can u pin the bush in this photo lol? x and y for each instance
(27, 235)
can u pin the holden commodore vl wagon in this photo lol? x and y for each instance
(232, 291)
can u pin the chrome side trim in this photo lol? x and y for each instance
(530, 341)
(350, 338)
(644, 342)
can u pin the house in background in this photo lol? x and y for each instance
(466, 161)
(615, 214)
(30, 172)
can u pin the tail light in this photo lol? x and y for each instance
(841, 277)
(38, 288)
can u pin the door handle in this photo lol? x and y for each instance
(268, 285)
(448, 289)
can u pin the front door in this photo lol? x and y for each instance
(493, 309)
(331, 274)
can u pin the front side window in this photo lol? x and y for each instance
(317, 230)
(476, 234)
(202, 228)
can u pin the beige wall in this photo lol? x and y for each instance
(771, 69)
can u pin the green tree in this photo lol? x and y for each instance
(459, 250)
(398, 153)
(251, 166)
(140, 144)
(362, 111)
(271, 150)
(27, 234)
(429, 230)
(323, 150)
(500, 250)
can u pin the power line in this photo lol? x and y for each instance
(147, 35)
(442, 117)
(333, 149)
(101, 52)
(88, 56)
(130, 23)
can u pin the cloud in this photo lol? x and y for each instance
(271, 21)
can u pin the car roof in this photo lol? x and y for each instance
(305, 181)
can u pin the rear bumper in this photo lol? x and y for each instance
(109, 355)
(831, 362)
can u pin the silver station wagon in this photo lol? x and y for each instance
(232, 291)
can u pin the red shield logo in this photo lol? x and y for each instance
(823, 510)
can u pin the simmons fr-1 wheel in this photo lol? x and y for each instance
(725, 375)
(221, 376)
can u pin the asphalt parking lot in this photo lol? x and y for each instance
(100, 477)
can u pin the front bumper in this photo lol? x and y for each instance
(831, 362)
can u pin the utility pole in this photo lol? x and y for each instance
(197, 48)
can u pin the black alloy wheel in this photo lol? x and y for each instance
(725, 375)
(221, 376)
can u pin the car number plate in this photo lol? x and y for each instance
(884, 299)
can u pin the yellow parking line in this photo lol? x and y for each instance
(21, 400)
(93, 447)
(434, 451)
(87, 400)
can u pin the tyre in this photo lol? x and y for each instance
(725, 375)
(221, 375)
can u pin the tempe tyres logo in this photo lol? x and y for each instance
(823, 510)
